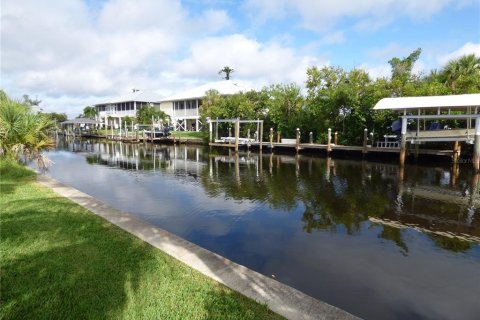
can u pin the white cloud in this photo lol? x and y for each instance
(66, 48)
(322, 15)
(262, 63)
(467, 48)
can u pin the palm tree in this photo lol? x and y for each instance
(90, 112)
(465, 66)
(24, 134)
(227, 70)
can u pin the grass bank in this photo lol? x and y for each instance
(58, 260)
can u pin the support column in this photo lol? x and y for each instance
(365, 140)
(476, 146)
(278, 136)
(210, 129)
(311, 137)
(403, 142)
(237, 133)
(261, 135)
(271, 138)
(455, 152)
(329, 140)
(335, 139)
(297, 142)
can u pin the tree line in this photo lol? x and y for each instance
(342, 100)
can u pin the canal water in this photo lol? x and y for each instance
(366, 237)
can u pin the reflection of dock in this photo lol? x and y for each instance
(403, 225)
(324, 148)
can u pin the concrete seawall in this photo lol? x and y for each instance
(279, 297)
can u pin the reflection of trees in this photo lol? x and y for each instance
(336, 195)
(451, 243)
(395, 235)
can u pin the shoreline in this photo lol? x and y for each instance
(280, 298)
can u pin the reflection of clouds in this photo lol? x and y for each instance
(363, 273)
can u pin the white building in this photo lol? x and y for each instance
(112, 112)
(183, 108)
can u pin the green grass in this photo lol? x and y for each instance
(189, 134)
(60, 261)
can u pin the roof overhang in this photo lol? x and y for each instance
(461, 101)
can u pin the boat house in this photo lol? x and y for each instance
(431, 115)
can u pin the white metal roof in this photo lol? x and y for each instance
(224, 87)
(141, 96)
(451, 101)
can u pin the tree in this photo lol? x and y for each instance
(227, 70)
(23, 133)
(284, 107)
(147, 113)
(462, 74)
(89, 112)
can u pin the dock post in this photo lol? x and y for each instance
(297, 142)
(216, 129)
(365, 140)
(261, 135)
(456, 152)
(311, 137)
(210, 130)
(403, 142)
(237, 133)
(335, 139)
(476, 146)
(329, 140)
(271, 138)
(278, 136)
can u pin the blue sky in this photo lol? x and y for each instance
(73, 53)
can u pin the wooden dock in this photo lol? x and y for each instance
(333, 148)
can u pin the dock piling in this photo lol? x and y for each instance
(237, 134)
(335, 139)
(271, 138)
(476, 146)
(403, 142)
(261, 134)
(311, 137)
(329, 140)
(365, 140)
(297, 142)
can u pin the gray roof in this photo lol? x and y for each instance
(81, 121)
(140, 96)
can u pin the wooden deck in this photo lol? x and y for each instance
(334, 148)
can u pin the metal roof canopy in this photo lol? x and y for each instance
(81, 121)
(452, 102)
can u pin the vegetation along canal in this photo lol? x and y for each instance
(348, 232)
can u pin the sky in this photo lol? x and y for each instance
(73, 53)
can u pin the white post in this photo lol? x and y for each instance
(403, 141)
(476, 146)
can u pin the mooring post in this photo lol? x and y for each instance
(237, 133)
(210, 130)
(335, 139)
(365, 140)
(403, 142)
(216, 129)
(297, 142)
(261, 135)
(329, 140)
(278, 136)
(476, 146)
(270, 136)
(311, 137)
(455, 152)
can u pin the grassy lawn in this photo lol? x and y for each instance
(189, 134)
(59, 261)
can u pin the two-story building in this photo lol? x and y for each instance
(183, 107)
(112, 112)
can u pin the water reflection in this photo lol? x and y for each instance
(324, 226)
